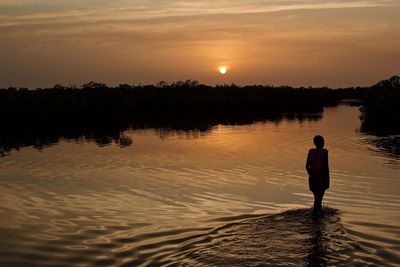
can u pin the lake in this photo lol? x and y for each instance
(233, 195)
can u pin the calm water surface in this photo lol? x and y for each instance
(234, 196)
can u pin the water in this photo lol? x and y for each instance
(232, 195)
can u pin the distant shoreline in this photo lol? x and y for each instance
(179, 98)
(96, 112)
(190, 100)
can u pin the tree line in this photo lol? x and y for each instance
(381, 107)
(182, 98)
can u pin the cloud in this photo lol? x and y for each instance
(23, 12)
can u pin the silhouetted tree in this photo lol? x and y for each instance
(381, 109)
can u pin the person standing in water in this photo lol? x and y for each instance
(318, 172)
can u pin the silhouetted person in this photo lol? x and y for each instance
(318, 171)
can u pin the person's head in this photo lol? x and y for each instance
(319, 141)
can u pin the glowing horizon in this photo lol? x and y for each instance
(294, 42)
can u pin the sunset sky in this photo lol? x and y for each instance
(293, 42)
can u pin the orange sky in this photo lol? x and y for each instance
(294, 42)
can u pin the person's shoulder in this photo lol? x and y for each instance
(311, 151)
(325, 150)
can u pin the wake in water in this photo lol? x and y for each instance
(291, 238)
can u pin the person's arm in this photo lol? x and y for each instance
(308, 166)
(327, 170)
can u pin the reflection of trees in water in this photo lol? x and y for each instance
(106, 130)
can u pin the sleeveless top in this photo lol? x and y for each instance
(317, 164)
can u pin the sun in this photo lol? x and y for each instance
(223, 70)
